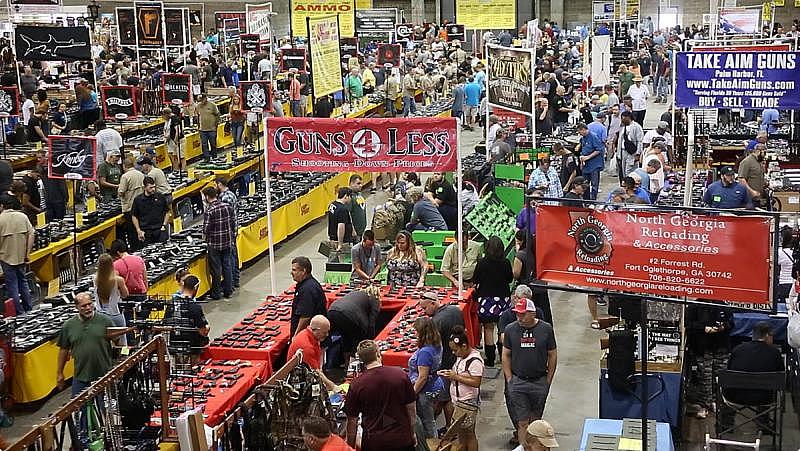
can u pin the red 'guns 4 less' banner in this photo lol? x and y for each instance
(341, 145)
(659, 253)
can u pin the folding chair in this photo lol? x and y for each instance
(767, 417)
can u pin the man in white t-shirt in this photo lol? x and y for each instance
(107, 139)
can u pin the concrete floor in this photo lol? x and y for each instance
(573, 397)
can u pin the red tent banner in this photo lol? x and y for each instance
(672, 254)
(341, 145)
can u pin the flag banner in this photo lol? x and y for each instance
(341, 145)
(118, 100)
(738, 80)
(52, 43)
(256, 96)
(326, 63)
(72, 157)
(673, 254)
(176, 87)
(509, 79)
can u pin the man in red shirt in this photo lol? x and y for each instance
(385, 399)
(308, 340)
(317, 436)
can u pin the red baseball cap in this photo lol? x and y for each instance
(524, 305)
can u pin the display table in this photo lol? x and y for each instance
(663, 405)
(34, 376)
(614, 427)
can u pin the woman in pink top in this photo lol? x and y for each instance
(465, 386)
(130, 267)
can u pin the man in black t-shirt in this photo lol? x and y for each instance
(340, 225)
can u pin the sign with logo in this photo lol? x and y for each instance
(150, 25)
(456, 32)
(487, 14)
(739, 20)
(341, 145)
(672, 254)
(509, 79)
(176, 86)
(293, 58)
(323, 43)
(52, 43)
(389, 54)
(72, 157)
(738, 80)
(258, 19)
(249, 42)
(220, 17)
(378, 19)
(9, 100)
(404, 32)
(126, 26)
(118, 99)
(301, 9)
(256, 96)
(175, 26)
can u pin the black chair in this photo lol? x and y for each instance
(768, 417)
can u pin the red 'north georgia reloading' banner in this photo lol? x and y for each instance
(673, 254)
(341, 145)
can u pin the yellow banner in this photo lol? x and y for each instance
(325, 60)
(487, 14)
(320, 8)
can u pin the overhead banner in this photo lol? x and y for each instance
(323, 43)
(149, 25)
(342, 145)
(256, 96)
(389, 54)
(72, 157)
(378, 19)
(258, 19)
(738, 80)
(52, 43)
(487, 14)
(9, 100)
(510, 79)
(175, 27)
(249, 43)
(118, 100)
(176, 87)
(672, 254)
(739, 20)
(126, 26)
(301, 9)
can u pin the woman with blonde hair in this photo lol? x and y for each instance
(423, 366)
(353, 317)
(406, 263)
(110, 289)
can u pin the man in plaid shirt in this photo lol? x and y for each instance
(218, 226)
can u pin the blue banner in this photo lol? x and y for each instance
(755, 80)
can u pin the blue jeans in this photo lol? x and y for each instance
(237, 129)
(208, 141)
(219, 261)
(295, 108)
(17, 287)
(594, 180)
(235, 265)
(409, 106)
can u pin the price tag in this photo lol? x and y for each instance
(53, 287)
(91, 205)
(41, 219)
(79, 220)
(229, 157)
(239, 152)
(190, 173)
(177, 225)
(251, 188)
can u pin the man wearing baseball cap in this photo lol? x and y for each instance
(541, 436)
(529, 364)
(727, 192)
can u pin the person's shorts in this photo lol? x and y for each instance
(527, 397)
(469, 410)
(470, 111)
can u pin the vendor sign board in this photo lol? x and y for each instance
(487, 14)
(673, 254)
(301, 9)
(342, 145)
(377, 19)
(176, 87)
(72, 157)
(150, 25)
(509, 78)
(118, 99)
(256, 96)
(126, 26)
(738, 80)
(9, 100)
(323, 43)
(389, 54)
(258, 19)
(739, 20)
(52, 43)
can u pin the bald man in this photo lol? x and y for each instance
(308, 340)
